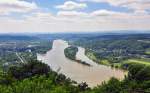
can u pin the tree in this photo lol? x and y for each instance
(29, 69)
(143, 74)
(133, 70)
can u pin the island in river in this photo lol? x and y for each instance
(93, 75)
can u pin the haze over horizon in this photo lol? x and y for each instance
(55, 16)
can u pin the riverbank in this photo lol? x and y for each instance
(121, 65)
(99, 60)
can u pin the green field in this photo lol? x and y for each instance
(147, 52)
(139, 61)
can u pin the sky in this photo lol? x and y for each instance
(54, 16)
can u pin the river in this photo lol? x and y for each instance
(93, 75)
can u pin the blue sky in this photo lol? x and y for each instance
(49, 5)
(74, 15)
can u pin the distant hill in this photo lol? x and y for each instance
(17, 37)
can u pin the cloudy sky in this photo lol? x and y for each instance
(19, 16)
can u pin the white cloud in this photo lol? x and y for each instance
(104, 12)
(136, 5)
(9, 6)
(70, 5)
(78, 22)
(71, 14)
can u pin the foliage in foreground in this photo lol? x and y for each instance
(37, 77)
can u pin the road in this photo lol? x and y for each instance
(21, 59)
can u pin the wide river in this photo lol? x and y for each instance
(92, 75)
